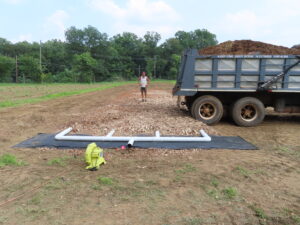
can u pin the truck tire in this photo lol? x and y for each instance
(248, 112)
(207, 109)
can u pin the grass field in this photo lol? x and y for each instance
(19, 94)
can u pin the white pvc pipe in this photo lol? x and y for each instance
(62, 136)
(157, 134)
(130, 142)
(110, 133)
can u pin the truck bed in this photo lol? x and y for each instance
(234, 73)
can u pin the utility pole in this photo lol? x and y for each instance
(139, 70)
(16, 69)
(154, 67)
(40, 55)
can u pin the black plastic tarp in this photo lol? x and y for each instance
(217, 142)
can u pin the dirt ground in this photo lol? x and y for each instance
(147, 186)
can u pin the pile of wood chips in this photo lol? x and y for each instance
(245, 47)
(134, 117)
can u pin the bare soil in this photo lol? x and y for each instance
(148, 186)
(245, 47)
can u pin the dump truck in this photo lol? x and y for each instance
(241, 86)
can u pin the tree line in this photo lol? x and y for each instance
(88, 55)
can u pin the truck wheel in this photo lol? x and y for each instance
(207, 109)
(248, 112)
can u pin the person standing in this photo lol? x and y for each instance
(144, 81)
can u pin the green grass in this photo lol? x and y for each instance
(258, 212)
(106, 181)
(292, 215)
(229, 192)
(10, 160)
(214, 182)
(57, 184)
(33, 212)
(57, 161)
(296, 219)
(163, 81)
(3, 219)
(96, 187)
(104, 86)
(226, 194)
(36, 200)
(186, 169)
(213, 193)
(243, 171)
(287, 151)
(178, 178)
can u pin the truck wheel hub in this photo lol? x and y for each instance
(207, 111)
(248, 112)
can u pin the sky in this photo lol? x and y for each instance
(271, 21)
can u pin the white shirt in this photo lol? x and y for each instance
(143, 81)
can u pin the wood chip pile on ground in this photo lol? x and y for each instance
(134, 117)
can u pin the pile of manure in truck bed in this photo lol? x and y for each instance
(296, 47)
(248, 47)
